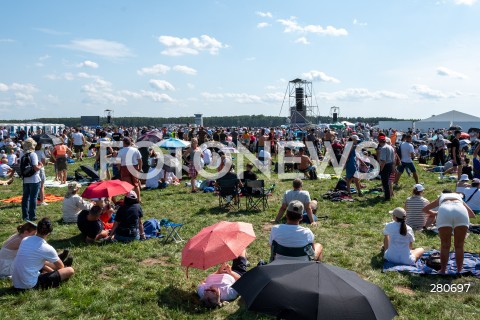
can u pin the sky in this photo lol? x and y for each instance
(372, 58)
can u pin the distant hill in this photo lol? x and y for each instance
(232, 121)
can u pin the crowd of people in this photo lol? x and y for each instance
(33, 263)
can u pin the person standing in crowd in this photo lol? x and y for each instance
(31, 184)
(455, 152)
(407, 155)
(130, 159)
(351, 167)
(43, 159)
(79, 142)
(59, 154)
(439, 151)
(386, 157)
(190, 155)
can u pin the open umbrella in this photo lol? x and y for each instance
(45, 138)
(173, 143)
(216, 244)
(455, 128)
(464, 135)
(312, 290)
(105, 189)
(152, 136)
(337, 125)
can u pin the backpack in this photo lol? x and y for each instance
(26, 167)
(341, 185)
(151, 227)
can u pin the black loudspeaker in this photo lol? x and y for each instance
(299, 99)
(109, 119)
(335, 117)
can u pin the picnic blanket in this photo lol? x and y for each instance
(471, 265)
(50, 183)
(18, 199)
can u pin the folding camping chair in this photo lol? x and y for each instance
(228, 193)
(256, 195)
(307, 250)
(171, 230)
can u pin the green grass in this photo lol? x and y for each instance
(145, 279)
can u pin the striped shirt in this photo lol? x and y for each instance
(415, 216)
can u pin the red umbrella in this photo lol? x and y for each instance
(106, 189)
(464, 135)
(152, 136)
(216, 244)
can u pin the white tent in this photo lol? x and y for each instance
(448, 119)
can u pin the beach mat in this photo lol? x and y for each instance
(50, 183)
(471, 265)
(18, 199)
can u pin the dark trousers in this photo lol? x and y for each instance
(439, 159)
(385, 175)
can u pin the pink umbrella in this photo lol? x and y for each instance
(216, 244)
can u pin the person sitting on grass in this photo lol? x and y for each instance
(398, 240)
(128, 224)
(90, 225)
(414, 205)
(73, 204)
(301, 195)
(217, 287)
(37, 264)
(11, 245)
(292, 235)
(306, 165)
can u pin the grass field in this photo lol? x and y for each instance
(144, 280)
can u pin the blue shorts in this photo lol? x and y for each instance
(306, 220)
(407, 165)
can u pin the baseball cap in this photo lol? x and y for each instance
(476, 181)
(131, 195)
(354, 137)
(295, 206)
(398, 213)
(381, 138)
(419, 187)
(464, 177)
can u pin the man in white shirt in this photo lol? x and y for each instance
(292, 235)
(37, 264)
(130, 160)
(407, 151)
(297, 194)
(78, 144)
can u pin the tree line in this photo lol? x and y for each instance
(231, 121)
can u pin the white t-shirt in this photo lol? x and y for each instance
(152, 182)
(223, 282)
(31, 257)
(77, 138)
(72, 207)
(12, 159)
(265, 155)
(129, 156)
(36, 177)
(406, 150)
(207, 157)
(4, 170)
(399, 246)
(301, 195)
(292, 236)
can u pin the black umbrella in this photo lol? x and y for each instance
(45, 138)
(90, 172)
(455, 128)
(312, 290)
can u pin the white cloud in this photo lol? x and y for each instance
(100, 47)
(52, 99)
(444, 71)
(156, 69)
(243, 98)
(43, 58)
(264, 14)
(261, 25)
(157, 97)
(270, 87)
(358, 23)
(3, 87)
(100, 92)
(51, 31)
(426, 92)
(180, 46)
(250, 59)
(88, 64)
(291, 25)
(302, 40)
(465, 2)
(131, 94)
(316, 75)
(185, 69)
(274, 97)
(161, 84)
(359, 94)
(24, 99)
(190, 85)
(23, 87)
(6, 40)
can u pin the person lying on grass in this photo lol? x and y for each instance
(398, 240)
(217, 287)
